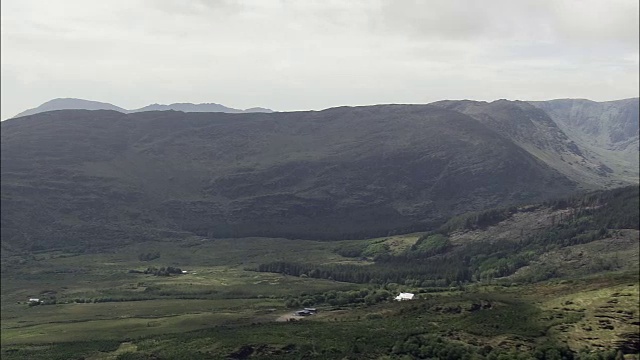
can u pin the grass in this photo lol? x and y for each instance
(216, 266)
(125, 347)
(608, 314)
(219, 308)
(216, 291)
(152, 309)
(118, 329)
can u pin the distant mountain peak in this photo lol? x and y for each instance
(75, 104)
(258, 109)
(202, 107)
(70, 104)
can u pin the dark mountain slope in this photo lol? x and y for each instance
(608, 129)
(103, 177)
(536, 132)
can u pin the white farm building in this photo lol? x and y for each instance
(405, 296)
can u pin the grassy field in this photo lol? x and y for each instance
(216, 290)
(215, 267)
(501, 318)
(607, 313)
(221, 308)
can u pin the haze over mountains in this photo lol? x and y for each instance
(78, 177)
(71, 103)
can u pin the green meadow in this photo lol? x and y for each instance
(565, 290)
(221, 308)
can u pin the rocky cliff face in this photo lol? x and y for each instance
(532, 129)
(610, 124)
(608, 130)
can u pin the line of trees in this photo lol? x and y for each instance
(163, 271)
(435, 347)
(429, 263)
(335, 298)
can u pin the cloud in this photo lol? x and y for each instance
(595, 22)
(293, 55)
(587, 22)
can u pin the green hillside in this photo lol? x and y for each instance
(170, 235)
(549, 280)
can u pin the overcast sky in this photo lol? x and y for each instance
(298, 55)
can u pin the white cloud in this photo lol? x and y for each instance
(292, 55)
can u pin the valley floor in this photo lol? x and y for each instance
(95, 306)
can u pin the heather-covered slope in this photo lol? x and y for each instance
(103, 177)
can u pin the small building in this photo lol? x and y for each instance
(405, 296)
(184, 271)
(34, 301)
(303, 313)
(311, 310)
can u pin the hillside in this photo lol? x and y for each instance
(548, 280)
(608, 130)
(523, 244)
(100, 178)
(536, 132)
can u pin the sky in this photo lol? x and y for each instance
(301, 55)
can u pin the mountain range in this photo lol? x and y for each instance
(89, 179)
(550, 132)
(71, 104)
(607, 131)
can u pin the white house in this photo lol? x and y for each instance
(405, 296)
(34, 300)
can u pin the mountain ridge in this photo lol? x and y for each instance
(608, 131)
(76, 103)
(339, 173)
(535, 131)
(82, 104)
(344, 172)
